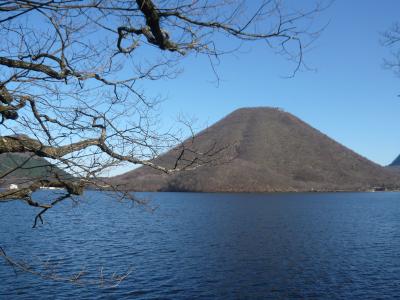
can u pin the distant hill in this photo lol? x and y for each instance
(274, 152)
(395, 166)
(396, 162)
(23, 167)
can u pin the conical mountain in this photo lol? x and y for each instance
(274, 151)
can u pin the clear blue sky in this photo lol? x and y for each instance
(349, 97)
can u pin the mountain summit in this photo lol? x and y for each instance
(274, 152)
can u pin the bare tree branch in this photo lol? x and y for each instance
(71, 89)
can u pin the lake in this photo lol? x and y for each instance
(208, 246)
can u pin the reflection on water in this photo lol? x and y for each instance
(241, 246)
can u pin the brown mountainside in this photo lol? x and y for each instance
(274, 151)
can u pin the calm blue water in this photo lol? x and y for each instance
(227, 246)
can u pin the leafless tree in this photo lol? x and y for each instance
(72, 74)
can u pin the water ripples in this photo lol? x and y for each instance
(207, 246)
